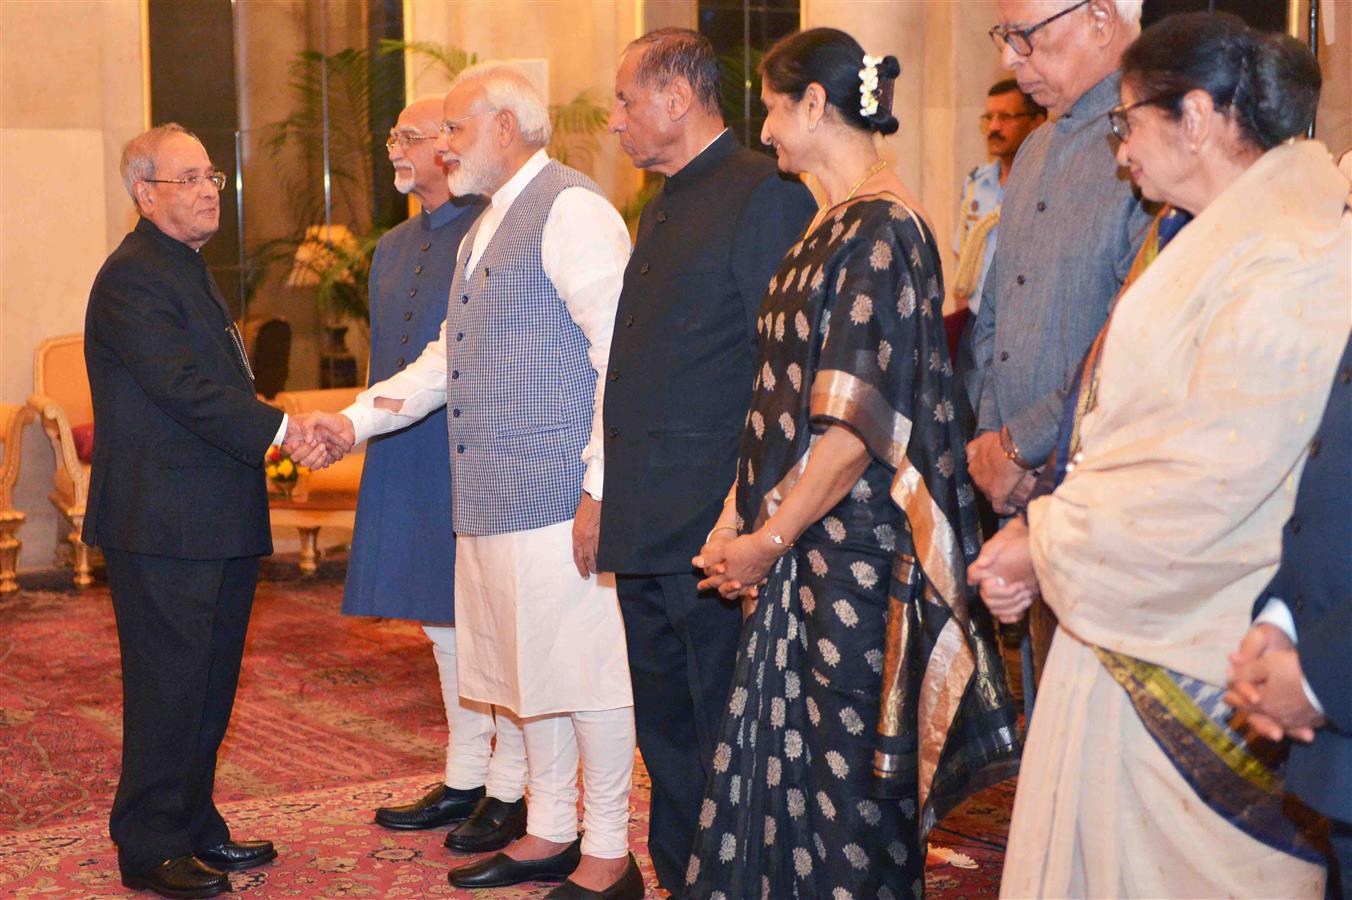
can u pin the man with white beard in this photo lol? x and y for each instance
(406, 488)
(520, 365)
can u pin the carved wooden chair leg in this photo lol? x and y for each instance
(10, 522)
(309, 549)
(84, 569)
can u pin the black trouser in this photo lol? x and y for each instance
(181, 626)
(1340, 873)
(682, 652)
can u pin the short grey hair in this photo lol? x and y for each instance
(138, 155)
(681, 53)
(507, 87)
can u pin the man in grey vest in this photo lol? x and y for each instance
(1070, 226)
(677, 392)
(520, 367)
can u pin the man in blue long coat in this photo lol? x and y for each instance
(406, 490)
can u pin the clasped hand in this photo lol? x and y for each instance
(1265, 682)
(318, 439)
(736, 566)
(1004, 572)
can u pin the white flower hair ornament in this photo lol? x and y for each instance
(868, 86)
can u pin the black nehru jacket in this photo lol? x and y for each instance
(179, 435)
(683, 355)
(1315, 582)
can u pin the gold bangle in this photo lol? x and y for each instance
(710, 536)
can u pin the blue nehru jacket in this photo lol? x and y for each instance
(402, 563)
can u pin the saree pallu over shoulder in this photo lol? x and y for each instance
(1235, 775)
(946, 714)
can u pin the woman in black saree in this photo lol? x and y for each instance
(869, 696)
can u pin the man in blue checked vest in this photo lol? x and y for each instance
(520, 367)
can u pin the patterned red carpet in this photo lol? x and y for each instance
(334, 717)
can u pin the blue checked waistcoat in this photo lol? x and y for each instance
(519, 386)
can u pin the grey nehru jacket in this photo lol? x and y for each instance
(1069, 230)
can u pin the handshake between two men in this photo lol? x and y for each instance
(319, 439)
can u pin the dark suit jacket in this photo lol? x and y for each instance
(1315, 582)
(179, 436)
(683, 355)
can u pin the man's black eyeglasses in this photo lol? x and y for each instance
(1020, 39)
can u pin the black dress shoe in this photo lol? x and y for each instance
(441, 806)
(184, 877)
(236, 856)
(628, 886)
(492, 826)
(500, 870)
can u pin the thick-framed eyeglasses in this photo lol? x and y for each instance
(1001, 118)
(215, 176)
(1020, 39)
(405, 140)
(1117, 116)
(452, 127)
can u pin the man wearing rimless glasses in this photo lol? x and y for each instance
(178, 432)
(1069, 228)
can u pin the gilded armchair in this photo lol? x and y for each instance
(13, 418)
(61, 401)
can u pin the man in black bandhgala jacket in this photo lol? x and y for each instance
(682, 362)
(178, 502)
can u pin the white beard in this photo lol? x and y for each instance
(479, 172)
(404, 179)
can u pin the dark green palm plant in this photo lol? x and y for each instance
(356, 85)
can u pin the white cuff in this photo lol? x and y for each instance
(1278, 615)
(281, 431)
(594, 481)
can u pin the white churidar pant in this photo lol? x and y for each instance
(538, 639)
(471, 758)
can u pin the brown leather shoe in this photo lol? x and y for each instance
(181, 878)
(492, 826)
(628, 886)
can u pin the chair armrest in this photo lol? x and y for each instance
(13, 420)
(57, 425)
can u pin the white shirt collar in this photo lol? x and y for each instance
(505, 195)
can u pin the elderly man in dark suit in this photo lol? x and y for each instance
(1293, 671)
(178, 502)
(682, 362)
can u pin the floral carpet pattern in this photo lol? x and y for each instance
(334, 717)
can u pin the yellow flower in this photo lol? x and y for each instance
(286, 468)
(271, 470)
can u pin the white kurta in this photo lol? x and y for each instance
(534, 637)
(1216, 366)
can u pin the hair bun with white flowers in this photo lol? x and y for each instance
(877, 82)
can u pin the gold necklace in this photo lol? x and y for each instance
(821, 213)
(873, 170)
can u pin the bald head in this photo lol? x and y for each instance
(413, 153)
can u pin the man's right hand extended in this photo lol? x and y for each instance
(333, 432)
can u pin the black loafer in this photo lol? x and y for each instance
(183, 878)
(440, 806)
(500, 870)
(628, 886)
(236, 856)
(492, 826)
